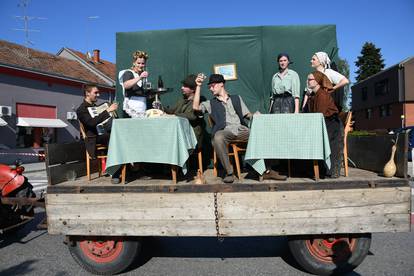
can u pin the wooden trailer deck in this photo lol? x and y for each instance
(361, 203)
(162, 183)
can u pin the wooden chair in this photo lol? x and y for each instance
(99, 149)
(200, 159)
(200, 165)
(236, 146)
(347, 128)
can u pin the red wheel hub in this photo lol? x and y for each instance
(331, 249)
(101, 251)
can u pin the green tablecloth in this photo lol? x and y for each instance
(166, 140)
(287, 136)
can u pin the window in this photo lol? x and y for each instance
(388, 110)
(381, 87)
(383, 110)
(364, 93)
(368, 113)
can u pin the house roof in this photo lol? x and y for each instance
(106, 67)
(399, 65)
(15, 55)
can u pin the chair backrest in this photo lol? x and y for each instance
(82, 130)
(348, 123)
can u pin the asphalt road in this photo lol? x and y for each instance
(34, 252)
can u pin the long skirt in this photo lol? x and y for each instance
(283, 103)
(336, 142)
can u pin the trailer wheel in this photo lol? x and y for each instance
(334, 254)
(104, 256)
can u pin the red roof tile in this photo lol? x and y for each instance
(106, 67)
(16, 55)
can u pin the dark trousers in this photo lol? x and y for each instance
(220, 141)
(336, 142)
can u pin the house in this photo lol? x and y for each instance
(102, 68)
(39, 93)
(385, 100)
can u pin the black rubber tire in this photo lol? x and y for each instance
(130, 251)
(301, 253)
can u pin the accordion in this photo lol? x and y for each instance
(94, 111)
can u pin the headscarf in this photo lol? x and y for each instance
(322, 80)
(324, 59)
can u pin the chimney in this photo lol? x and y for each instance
(95, 57)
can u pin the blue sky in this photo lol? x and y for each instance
(388, 24)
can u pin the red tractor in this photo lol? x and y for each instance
(17, 199)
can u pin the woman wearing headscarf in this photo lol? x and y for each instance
(285, 88)
(132, 81)
(321, 101)
(321, 62)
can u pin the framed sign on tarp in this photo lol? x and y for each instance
(228, 70)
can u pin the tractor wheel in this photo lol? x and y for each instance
(330, 254)
(104, 255)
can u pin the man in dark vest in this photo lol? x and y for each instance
(228, 113)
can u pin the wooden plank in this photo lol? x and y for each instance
(306, 204)
(59, 173)
(64, 153)
(63, 159)
(299, 226)
(401, 156)
(240, 214)
(167, 228)
(131, 214)
(364, 152)
(165, 186)
(131, 206)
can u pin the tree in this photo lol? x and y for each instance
(369, 62)
(343, 68)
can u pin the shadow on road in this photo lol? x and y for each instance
(211, 248)
(198, 247)
(18, 235)
(20, 269)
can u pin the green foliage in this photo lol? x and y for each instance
(343, 68)
(369, 62)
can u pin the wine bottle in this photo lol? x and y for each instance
(160, 82)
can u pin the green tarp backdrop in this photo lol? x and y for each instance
(173, 54)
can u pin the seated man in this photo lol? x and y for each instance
(184, 108)
(228, 113)
(91, 94)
